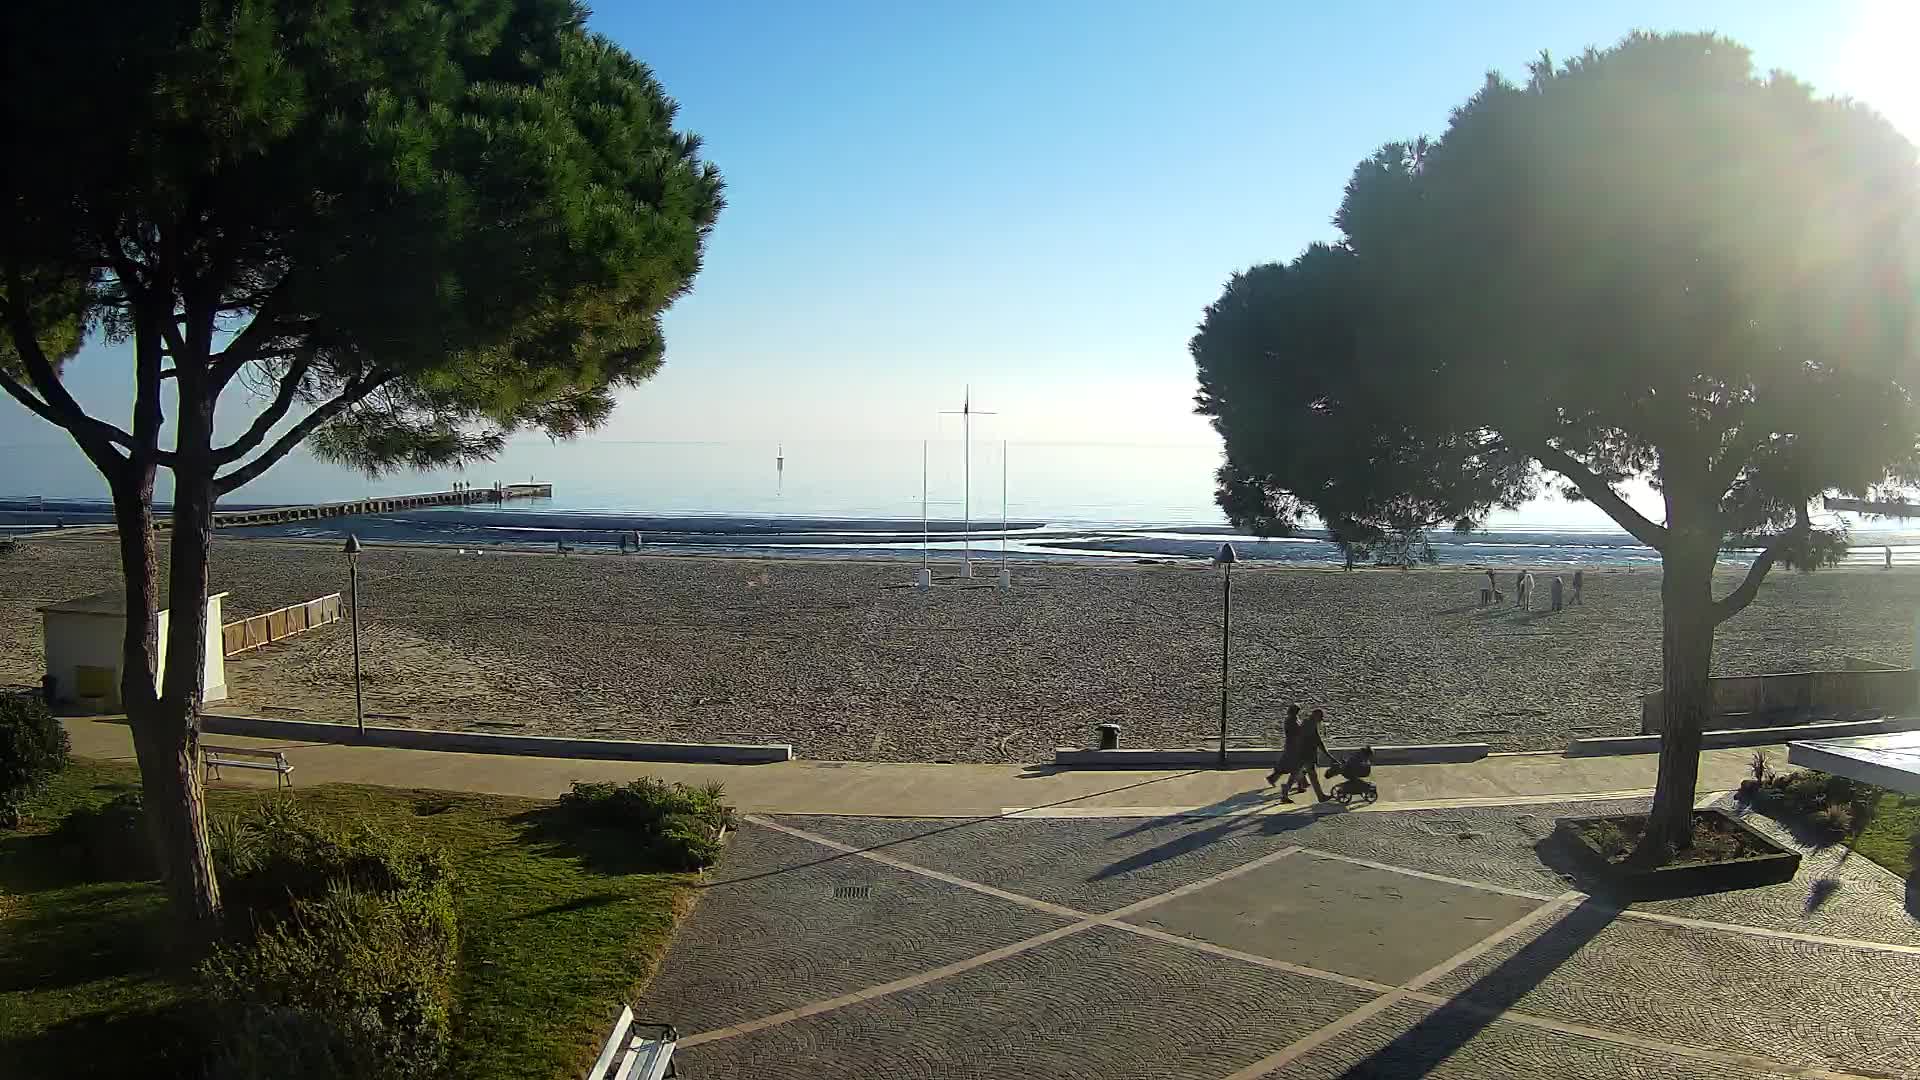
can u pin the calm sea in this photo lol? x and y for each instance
(849, 499)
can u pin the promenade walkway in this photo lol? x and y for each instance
(916, 790)
(982, 922)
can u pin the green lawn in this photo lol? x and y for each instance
(554, 934)
(1890, 834)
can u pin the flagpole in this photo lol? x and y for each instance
(1003, 506)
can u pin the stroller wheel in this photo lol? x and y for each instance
(1371, 794)
(1342, 793)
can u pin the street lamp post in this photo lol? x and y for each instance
(1224, 559)
(353, 586)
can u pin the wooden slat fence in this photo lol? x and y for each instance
(257, 630)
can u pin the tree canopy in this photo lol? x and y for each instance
(1644, 262)
(399, 230)
(409, 228)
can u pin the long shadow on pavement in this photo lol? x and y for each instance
(1424, 1046)
(1266, 824)
(966, 823)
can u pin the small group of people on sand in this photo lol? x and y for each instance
(1523, 589)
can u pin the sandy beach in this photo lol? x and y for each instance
(843, 661)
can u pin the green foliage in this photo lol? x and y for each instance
(342, 950)
(351, 983)
(33, 749)
(677, 825)
(546, 942)
(1645, 261)
(111, 842)
(1829, 805)
(273, 859)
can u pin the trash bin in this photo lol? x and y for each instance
(1109, 736)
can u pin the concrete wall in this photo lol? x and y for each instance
(75, 640)
(1742, 701)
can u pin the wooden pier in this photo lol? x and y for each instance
(280, 515)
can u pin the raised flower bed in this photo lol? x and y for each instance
(1727, 854)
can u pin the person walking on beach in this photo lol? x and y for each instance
(1289, 748)
(1310, 750)
(1579, 579)
(1556, 591)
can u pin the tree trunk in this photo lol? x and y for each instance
(1686, 661)
(168, 737)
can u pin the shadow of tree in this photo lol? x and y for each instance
(162, 1043)
(94, 932)
(1441, 1033)
(578, 903)
(557, 832)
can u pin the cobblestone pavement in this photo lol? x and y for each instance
(1449, 943)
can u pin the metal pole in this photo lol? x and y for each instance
(1003, 506)
(926, 541)
(1226, 629)
(353, 578)
(966, 477)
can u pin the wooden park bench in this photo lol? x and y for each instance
(636, 1051)
(241, 757)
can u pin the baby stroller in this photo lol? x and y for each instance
(1356, 768)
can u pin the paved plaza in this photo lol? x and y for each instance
(1450, 942)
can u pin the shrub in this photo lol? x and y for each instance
(340, 956)
(1824, 802)
(111, 842)
(274, 857)
(352, 984)
(33, 747)
(677, 825)
(1834, 818)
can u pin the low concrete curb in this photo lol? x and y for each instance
(476, 742)
(1248, 757)
(1761, 736)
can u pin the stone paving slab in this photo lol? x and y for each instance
(1337, 916)
(1094, 866)
(1101, 1003)
(1836, 894)
(768, 933)
(1409, 1040)
(1101, 864)
(1791, 1001)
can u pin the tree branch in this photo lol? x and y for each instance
(248, 344)
(264, 424)
(294, 435)
(1600, 493)
(96, 437)
(1736, 601)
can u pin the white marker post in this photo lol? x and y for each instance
(967, 413)
(923, 578)
(1006, 576)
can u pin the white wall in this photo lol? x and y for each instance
(78, 639)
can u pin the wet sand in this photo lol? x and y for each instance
(843, 661)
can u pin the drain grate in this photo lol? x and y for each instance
(853, 892)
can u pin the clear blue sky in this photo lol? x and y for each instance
(1039, 198)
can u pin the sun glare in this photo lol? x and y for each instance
(1878, 65)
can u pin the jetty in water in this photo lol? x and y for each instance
(280, 515)
(1884, 509)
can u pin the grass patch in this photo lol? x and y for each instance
(1892, 833)
(551, 943)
